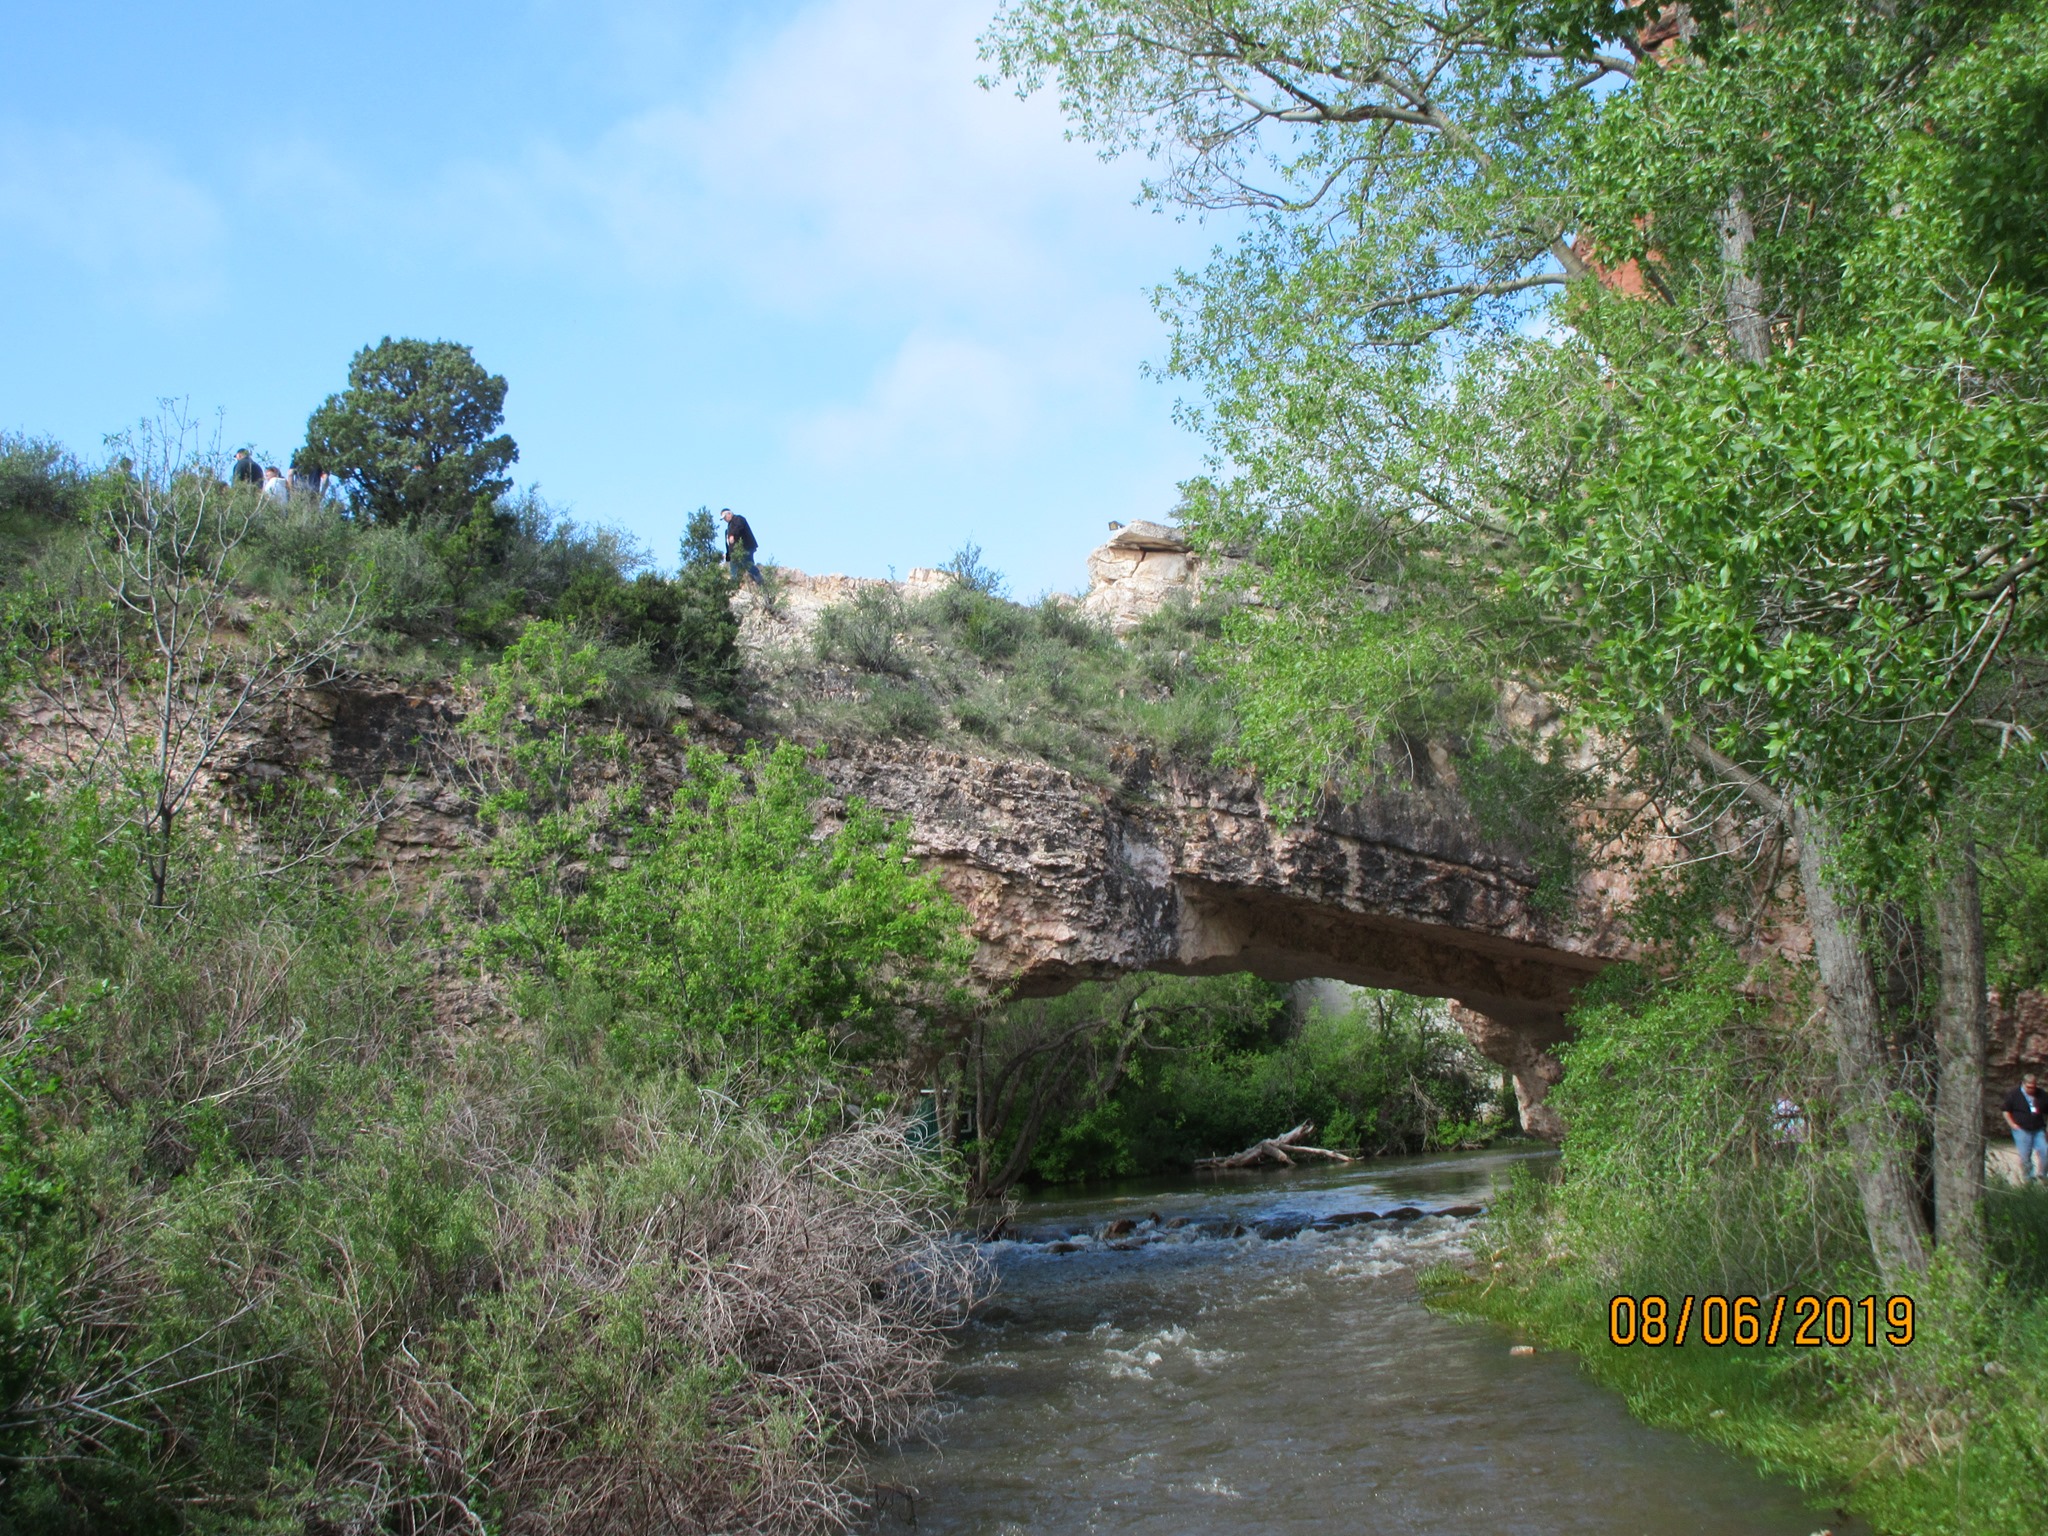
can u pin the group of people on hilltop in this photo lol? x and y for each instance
(308, 480)
(280, 485)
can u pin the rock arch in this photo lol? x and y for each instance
(1067, 879)
(1178, 870)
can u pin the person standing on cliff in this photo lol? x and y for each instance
(246, 471)
(308, 480)
(2026, 1111)
(740, 545)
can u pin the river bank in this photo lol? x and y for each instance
(1939, 1437)
(1194, 1375)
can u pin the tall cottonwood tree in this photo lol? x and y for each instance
(1436, 471)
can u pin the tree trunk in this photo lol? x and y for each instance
(1884, 1178)
(1749, 329)
(1961, 1038)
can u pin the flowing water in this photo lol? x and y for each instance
(1226, 1368)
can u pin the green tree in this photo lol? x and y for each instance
(412, 437)
(739, 924)
(731, 924)
(685, 623)
(1841, 571)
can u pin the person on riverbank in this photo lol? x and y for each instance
(2026, 1111)
(740, 545)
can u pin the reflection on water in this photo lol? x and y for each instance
(1181, 1379)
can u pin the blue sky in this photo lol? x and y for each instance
(782, 257)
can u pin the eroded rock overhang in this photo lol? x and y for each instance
(1190, 872)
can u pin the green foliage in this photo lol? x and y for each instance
(727, 925)
(1701, 1147)
(435, 593)
(862, 633)
(898, 711)
(971, 573)
(683, 624)
(2016, 1226)
(2016, 917)
(1041, 678)
(411, 436)
(735, 924)
(1171, 1070)
(41, 482)
(533, 707)
(1797, 552)
(280, 1253)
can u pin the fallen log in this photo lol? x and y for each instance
(1274, 1149)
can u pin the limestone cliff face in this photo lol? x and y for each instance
(1140, 568)
(1066, 879)
(1183, 870)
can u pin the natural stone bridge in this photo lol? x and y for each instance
(1188, 872)
(1169, 869)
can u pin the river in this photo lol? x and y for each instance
(1187, 1379)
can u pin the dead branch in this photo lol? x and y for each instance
(1274, 1149)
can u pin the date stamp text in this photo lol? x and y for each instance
(1807, 1322)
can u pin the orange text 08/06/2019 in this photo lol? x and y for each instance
(1808, 1322)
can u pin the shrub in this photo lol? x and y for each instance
(728, 921)
(683, 624)
(1063, 623)
(863, 633)
(280, 1255)
(40, 482)
(1044, 679)
(971, 574)
(900, 710)
(1680, 1171)
(986, 627)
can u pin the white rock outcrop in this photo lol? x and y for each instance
(1133, 575)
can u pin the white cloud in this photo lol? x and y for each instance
(850, 154)
(936, 398)
(116, 210)
(977, 279)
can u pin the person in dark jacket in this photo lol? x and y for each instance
(2026, 1111)
(246, 471)
(308, 480)
(740, 545)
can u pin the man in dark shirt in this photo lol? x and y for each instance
(740, 545)
(2026, 1111)
(246, 471)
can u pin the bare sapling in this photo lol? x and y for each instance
(155, 661)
